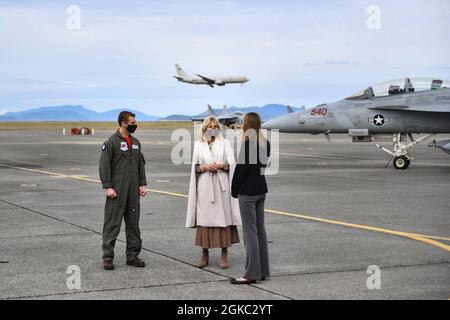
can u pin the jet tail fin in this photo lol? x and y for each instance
(180, 72)
(289, 109)
(224, 109)
(211, 111)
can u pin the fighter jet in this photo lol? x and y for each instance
(229, 119)
(397, 108)
(210, 81)
(211, 112)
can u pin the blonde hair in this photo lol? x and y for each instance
(205, 125)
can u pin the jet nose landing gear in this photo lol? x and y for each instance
(401, 153)
(401, 162)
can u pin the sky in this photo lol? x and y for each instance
(294, 52)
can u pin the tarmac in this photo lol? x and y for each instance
(333, 211)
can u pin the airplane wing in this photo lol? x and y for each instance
(210, 81)
(227, 117)
(198, 118)
(417, 108)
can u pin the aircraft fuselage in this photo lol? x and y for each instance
(345, 115)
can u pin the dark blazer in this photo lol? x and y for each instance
(248, 178)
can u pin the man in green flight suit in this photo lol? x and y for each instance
(122, 173)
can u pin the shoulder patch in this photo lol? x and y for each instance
(104, 145)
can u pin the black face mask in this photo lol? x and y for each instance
(132, 128)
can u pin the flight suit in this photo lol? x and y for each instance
(122, 168)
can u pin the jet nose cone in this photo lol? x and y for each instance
(271, 124)
(285, 123)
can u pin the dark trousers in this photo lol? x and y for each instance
(113, 220)
(254, 234)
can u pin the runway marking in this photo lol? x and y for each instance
(309, 156)
(418, 237)
(431, 240)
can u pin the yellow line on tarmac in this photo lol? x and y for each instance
(429, 237)
(418, 237)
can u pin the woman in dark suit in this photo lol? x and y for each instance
(249, 185)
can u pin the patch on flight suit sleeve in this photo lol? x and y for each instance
(104, 146)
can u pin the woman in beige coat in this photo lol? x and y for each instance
(211, 209)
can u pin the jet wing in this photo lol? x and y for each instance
(198, 118)
(210, 81)
(417, 108)
(229, 117)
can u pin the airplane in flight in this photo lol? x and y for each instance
(210, 81)
(229, 119)
(394, 110)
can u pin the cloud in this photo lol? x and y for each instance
(291, 50)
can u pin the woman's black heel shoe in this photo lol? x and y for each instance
(246, 281)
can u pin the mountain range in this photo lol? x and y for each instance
(69, 113)
(80, 113)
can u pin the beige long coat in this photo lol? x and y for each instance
(210, 203)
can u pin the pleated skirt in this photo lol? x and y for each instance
(216, 237)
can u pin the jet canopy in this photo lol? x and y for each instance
(400, 86)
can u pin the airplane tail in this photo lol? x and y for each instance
(225, 109)
(211, 111)
(289, 109)
(180, 72)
